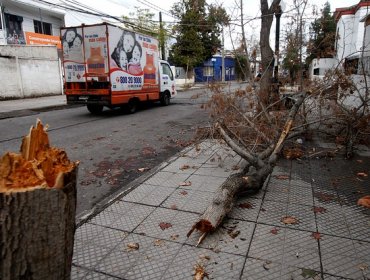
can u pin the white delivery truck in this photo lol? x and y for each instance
(105, 65)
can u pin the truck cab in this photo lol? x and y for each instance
(167, 83)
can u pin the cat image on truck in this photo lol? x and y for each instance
(107, 66)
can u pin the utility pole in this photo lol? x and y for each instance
(223, 56)
(161, 36)
(277, 38)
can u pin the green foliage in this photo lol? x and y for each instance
(240, 65)
(197, 33)
(322, 36)
(142, 21)
(291, 59)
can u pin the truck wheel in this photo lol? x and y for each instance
(95, 109)
(165, 99)
(132, 106)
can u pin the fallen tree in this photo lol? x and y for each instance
(259, 165)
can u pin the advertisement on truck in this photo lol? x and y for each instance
(105, 65)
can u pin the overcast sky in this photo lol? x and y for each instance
(251, 12)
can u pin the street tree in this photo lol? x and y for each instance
(198, 32)
(322, 36)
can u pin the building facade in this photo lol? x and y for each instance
(211, 70)
(27, 24)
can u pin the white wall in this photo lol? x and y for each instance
(350, 32)
(323, 64)
(29, 71)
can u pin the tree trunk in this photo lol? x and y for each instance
(37, 232)
(223, 200)
(267, 55)
(37, 210)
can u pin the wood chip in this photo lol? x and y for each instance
(132, 246)
(289, 220)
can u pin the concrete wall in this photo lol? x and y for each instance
(29, 71)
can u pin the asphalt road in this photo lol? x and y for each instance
(113, 146)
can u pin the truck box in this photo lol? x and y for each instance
(105, 65)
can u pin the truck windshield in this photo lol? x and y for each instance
(167, 70)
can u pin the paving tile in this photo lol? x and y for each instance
(149, 261)
(343, 266)
(183, 165)
(246, 209)
(133, 218)
(271, 212)
(204, 183)
(189, 200)
(175, 224)
(280, 196)
(362, 249)
(167, 179)
(231, 237)
(337, 245)
(87, 232)
(299, 273)
(256, 269)
(268, 243)
(99, 276)
(217, 265)
(305, 216)
(331, 226)
(88, 256)
(77, 273)
(148, 194)
(214, 171)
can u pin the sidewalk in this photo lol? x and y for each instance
(142, 235)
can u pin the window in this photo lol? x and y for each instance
(14, 31)
(167, 70)
(208, 71)
(42, 27)
(316, 71)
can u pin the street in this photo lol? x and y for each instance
(113, 147)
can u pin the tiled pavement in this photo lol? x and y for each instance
(252, 243)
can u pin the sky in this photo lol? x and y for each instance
(251, 13)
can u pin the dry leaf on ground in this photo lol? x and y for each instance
(200, 272)
(274, 231)
(362, 174)
(364, 201)
(317, 209)
(174, 237)
(184, 167)
(282, 177)
(316, 235)
(246, 205)
(143, 169)
(289, 220)
(164, 225)
(185, 184)
(173, 207)
(184, 192)
(159, 242)
(234, 234)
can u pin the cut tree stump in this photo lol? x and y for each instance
(37, 210)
